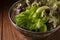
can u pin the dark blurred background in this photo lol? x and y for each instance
(8, 2)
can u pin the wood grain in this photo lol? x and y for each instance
(7, 32)
(0, 24)
(54, 36)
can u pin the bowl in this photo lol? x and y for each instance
(14, 10)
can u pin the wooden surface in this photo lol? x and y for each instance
(0, 24)
(8, 32)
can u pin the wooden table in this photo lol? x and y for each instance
(1, 24)
(8, 32)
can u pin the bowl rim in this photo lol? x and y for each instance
(19, 28)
